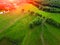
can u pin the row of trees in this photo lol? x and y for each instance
(48, 5)
(48, 20)
(53, 22)
(40, 18)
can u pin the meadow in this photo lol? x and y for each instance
(15, 30)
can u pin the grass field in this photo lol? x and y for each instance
(14, 28)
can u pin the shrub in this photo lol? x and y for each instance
(37, 14)
(53, 22)
(31, 13)
(35, 23)
(31, 25)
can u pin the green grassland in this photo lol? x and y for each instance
(15, 30)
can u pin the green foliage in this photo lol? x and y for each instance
(53, 22)
(35, 22)
(50, 9)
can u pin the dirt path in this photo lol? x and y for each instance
(42, 32)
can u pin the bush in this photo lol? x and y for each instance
(37, 14)
(31, 26)
(31, 13)
(35, 23)
(53, 22)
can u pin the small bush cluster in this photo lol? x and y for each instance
(35, 23)
(37, 14)
(33, 13)
(53, 22)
